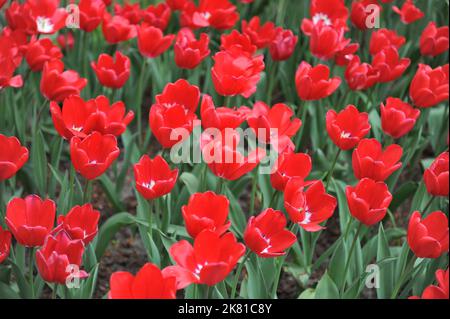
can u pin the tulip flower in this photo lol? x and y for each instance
(345, 56)
(112, 73)
(290, 165)
(408, 12)
(428, 237)
(180, 93)
(363, 11)
(283, 44)
(81, 222)
(41, 51)
(384, 38)
(441, 291)
(266, 234)
(389, 65)
(190, 52)
(176, 4)
(130, 11)
(31, 219)
(93, 155)
(236, 39)
(368, 201)
(347, 127)
(360, 76)
(231, 78)
(7, 78)
(369, 160)
(397, 117)
(434, 40)
(79, 118)
(152, 42)
(436, 176)
(12, 157)
(153, 177)
(66, 41)
(328, 12)
(54, 258)
(20, 17)
(308, 208)
(260, 34)
(149, 283)
(429, 86)
(49, 17)
(91, 14)
(57, 84)
(157, 15)
(221, 117)
(314, 83)
(326, 41)
(207, 262)
(5, 244)
(117, 29)
(206, 211)
(218, 14)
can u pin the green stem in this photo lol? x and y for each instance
(350, 253)
(31, 271)
(302, 114)
(253, 194)
(273, 199)
(150, 217)
(330, 173)
(219, 186)
(238, 274)
(87, 191)
(139, 101)
(54, 291)
(280, 265)
(408, 270)
(430, 201)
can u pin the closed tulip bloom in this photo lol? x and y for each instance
(360, 76)
(283, 44)
(180, 93)
(314, 83)
(221, 117)
(81, 222)
(149, 283)
(30, 220)
(429, 86)
(266, 234)
(308, 208)
(40, 51)
(363, 12)
(384, 38)
(408, 13)
(441, 291)
(326, 41)
(12, 157)
(93, 155)
(206, 211)
(428, 237)
(152, 42)
(347, 127)
(389, 65)
(368, 201)
(157, 15)
(397, 117)
(436, 176)
(239, 40)
(208, 262)
(54, 258)
(117, 29)
(190, 52)
(236, 72)
(80, 118)
(91, 14)
(369, 160)
(218, 14)
(57, 84)
(260, 34)
(5, 244)
(290, 165)
(153, 177)
(434, 40)
(112, 73)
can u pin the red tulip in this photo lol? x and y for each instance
(5, 244)
(368, 201)
(329, 12)
(149, 283)
(130, 11)
(428, 237)
(441, 291)
(81, 222)
(290, 165)
(436, 176)
(91, 14)
(190, 52)
(345, 56)
(221, 117)
(153, 177)
(12, 157)
(92, 156)
(369, 160)
(48, 16)
(20, 17)
(389, 65)
(260, 34)
(283, 44)
(152, 42)
(266, 234)
(110, 73)
(397, 117)
(80, 118)
(30, 220)
(429, 86)
(434, 40)
(206, 211)
(10, 59)
(180, 93)
(218, 14)
(384, 38)
(157, 15)
(314, 83)
(55, 258)
(236, 72)
(347, 127)
(308, 208)
(41, 51)
(117, 29)
(326, 41)
(240, 40)
(360, 76)
(363, 12)
(208, 262)
(66, 41)
(57, 84)
(408, 12)
(176, 4)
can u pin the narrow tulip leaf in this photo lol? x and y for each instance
(110, 190)
(6, 292)
(386, 273)
(326, 288)
(191, 181)
(39, 162)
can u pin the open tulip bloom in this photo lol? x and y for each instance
(224, 149)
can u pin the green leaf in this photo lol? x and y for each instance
(6, 292)
(326, 288)
(191, 181)
(110, 190)
(386, 273)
